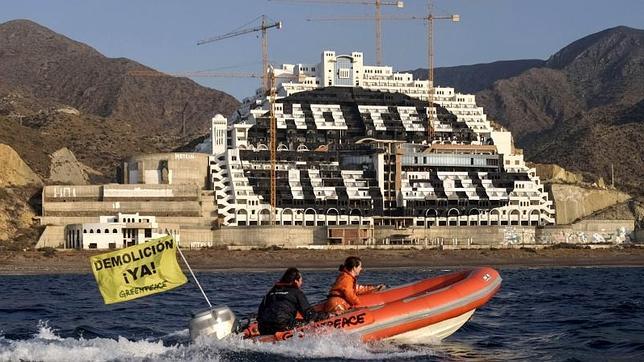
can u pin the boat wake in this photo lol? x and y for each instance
(47, 345)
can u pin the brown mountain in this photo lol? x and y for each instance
(476, 77)
(582, 109)
(56, 92)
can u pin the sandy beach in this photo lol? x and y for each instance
(37, 262)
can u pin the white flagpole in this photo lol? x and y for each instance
(193, 275)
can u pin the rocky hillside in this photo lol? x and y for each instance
(18, 186)
(65, 169)
(573, 202)
(18, 226)
(14, 171)
(583, 108)
(56, 92)
(476, 77)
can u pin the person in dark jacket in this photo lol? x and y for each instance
(280, 306)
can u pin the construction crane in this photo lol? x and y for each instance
(378, 15)
(429, 19)
(266, 24)
(430, 63)
(273, 144)
(272, 94)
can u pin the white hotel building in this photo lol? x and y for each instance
(353, 149)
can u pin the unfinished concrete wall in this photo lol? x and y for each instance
(53, 236)
(283, 236)
(168, 168)
(152, 208)
(97, 200)
(197, 238)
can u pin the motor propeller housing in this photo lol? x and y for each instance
(219, 322)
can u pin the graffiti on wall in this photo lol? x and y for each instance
(619, 235)
(513, 235)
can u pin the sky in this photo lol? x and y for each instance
(163, 34)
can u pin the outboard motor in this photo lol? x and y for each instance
(218, 322)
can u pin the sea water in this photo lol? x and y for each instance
(539, 314)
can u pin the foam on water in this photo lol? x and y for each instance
(47, 345)
(333, 345)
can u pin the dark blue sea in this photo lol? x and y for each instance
(551, 314)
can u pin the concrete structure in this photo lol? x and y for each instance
(119, 231)
(177, 168)
(98, 200)
(171, 206)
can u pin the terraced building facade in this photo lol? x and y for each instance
(356, 151)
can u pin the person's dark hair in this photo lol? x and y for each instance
(290, 276)
(350, 263)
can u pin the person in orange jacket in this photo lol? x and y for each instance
(345, 291)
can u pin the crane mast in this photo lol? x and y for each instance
(431, 110)
(263, 28)
(273, 146)
(430, 73)
(378, 5)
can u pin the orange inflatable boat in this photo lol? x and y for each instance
(419, 312)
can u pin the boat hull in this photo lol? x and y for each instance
(421, 312)
(434, 332)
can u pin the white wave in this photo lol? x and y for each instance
(47, 346)
(46, 332)
(331, 345)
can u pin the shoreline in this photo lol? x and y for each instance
(215, 260)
